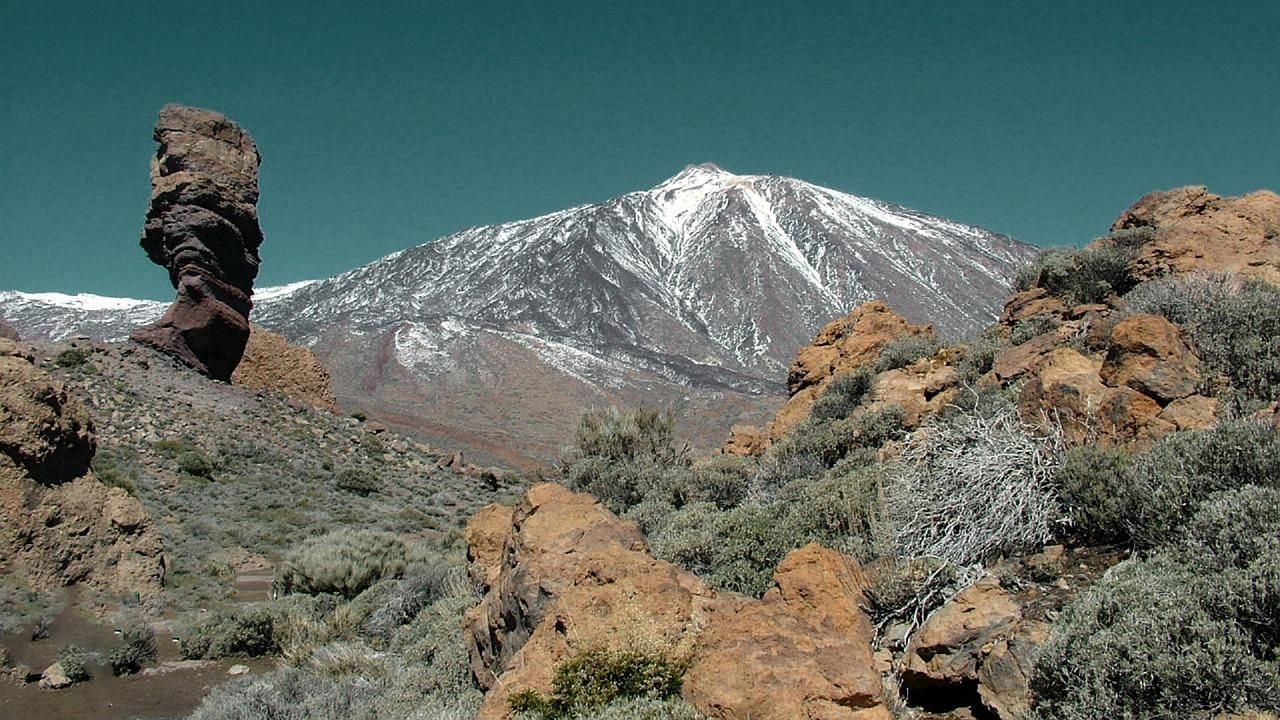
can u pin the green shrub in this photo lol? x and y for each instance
(734, 549)
(345, 562)
(248, 630)
(594, 678)
(1088, 275)
(842, 394)
(723, 480)
(138, 645)
(1233, 323)
(1033, 326)
(974, 484)
(980, 355)
(195, 464)
(1158, 639)
(1231, 529)
(357, 481)
(905, 350)
(72, 357)
(1091, 483)
(1167, 484)
(621, 456)
(75, 663)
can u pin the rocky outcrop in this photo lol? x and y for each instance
(843, 345)
(976, 647)
(1197, 230)
(273, 364)
(43, 430)
(7, 332)
(572, 576)
(58, 524)
(202, 226)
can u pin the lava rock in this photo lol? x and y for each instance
(202, 226)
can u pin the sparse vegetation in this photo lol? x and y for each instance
(75, 663)
(244, 631)
(137, 646)
(1088, 275)
(905, 350)
(345, 562)
(357, 481)
(594, 678)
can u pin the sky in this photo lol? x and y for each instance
(386, 125)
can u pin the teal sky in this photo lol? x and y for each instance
(385, 125)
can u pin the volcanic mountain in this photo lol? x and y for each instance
(694, 295)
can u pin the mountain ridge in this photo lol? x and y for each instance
(672, 294)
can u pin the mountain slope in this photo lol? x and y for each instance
(697, 292)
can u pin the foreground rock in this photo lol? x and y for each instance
(202, 226)
(271, 363)
(1197, 230)
(58, 524)
(572, 576)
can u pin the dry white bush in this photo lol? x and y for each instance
(976, 484)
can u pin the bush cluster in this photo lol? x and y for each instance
(974, 484)
(594, 678)
(248, 631)
(345, 562)
(1234, 325)
(75, 663)
(1087, 275)
(620, 456)
(904, 350)
(357, 481)
(137, 646)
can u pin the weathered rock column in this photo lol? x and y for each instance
(202, 226)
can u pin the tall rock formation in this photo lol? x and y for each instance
(202, 226)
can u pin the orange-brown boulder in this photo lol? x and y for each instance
(486, 536)
(1197, 230)
(274, 364)
(947, 649)
(1030, 303)
(58, 524)
(843, 345)
(746, 440)
(1149, 354)
(572, 576)
(802, 651)
(1019, 360)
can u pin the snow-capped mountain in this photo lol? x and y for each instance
(697, 291)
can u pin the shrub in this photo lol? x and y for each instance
(72, 357)
(138, 645)
(735, 550)
(619, 456)
(345, 562)
(1231, 529)
(357, 481)
(420, 586)
(75, 663)
(905, 350)
(1033, 326)
(1233, 323)
(980, 355)
(1091, 483)
(842, 394)
(248, 630)
(974, 484)
(1167, 484)
(594, 678)
(1088, 275)
(195, 464)
(723, 480)
(1156, 639)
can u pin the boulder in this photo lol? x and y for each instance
(1149, 354)
(1030, 303)
(746, 440)
(202, 226)
(1197, 230)
(272, 363)
(54, 677)
(843, 345)
(43, 429)
(947, 650)
(802, 651)
(572, 576)
(1004, 676)
(58, 524)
